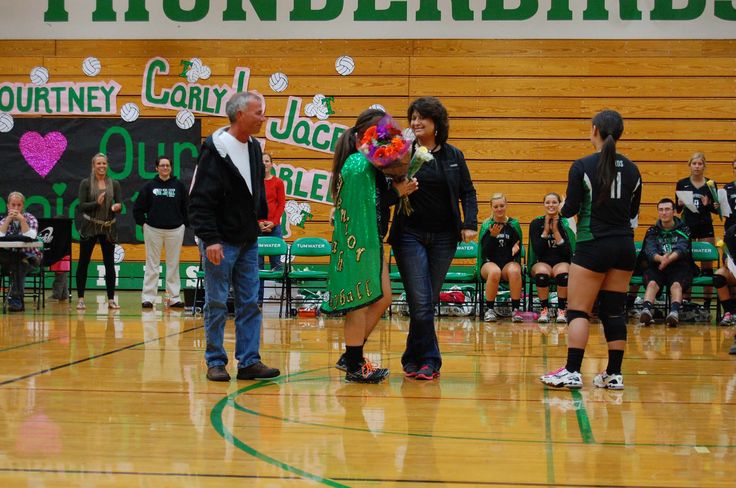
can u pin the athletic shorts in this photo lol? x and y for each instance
(677, 272)
(554, 261)
(602, 254)
(701, 230)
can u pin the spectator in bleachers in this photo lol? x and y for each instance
(499, 257)
(697, 216)
(552, 244)
(668, 252)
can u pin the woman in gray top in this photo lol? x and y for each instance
(100, 200)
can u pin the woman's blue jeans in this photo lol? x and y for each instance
(423, 259)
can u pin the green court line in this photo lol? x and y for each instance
(255, 413)
(229, 401)
(586, 432)
(549, 448)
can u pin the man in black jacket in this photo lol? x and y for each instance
(226, 201)
(668, 252)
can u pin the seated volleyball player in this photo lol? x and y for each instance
(499, 257)
(725, 278)
(552, 243)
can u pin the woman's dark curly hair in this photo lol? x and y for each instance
(432, 108)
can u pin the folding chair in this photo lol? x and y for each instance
(307, 266)
(274, 246)
(463, 270)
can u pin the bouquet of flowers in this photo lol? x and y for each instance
(384, 145)
(386, 148)
(714, 195)
(421, 155)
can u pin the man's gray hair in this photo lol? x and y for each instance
(238, 101)
(17, 194)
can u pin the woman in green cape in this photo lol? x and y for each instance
(358, 281)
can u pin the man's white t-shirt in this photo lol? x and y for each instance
(238, 152)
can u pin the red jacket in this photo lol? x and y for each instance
(276, 199)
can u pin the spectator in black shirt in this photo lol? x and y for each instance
(161, 209)
(499, 252)
(604, 190)
(551, 246)
(668, 253)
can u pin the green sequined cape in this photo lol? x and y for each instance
(355, 262)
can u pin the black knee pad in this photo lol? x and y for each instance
(719, 281)
(561, 279)
(576, 314)
(541, 280)
(612, 312)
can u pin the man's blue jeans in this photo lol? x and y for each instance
(423, 259)
(239, 267)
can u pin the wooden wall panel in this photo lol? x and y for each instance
(520, 109)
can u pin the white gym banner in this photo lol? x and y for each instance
(368, 19)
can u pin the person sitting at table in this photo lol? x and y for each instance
(18, 261)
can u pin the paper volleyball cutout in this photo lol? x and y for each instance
(6, 122)
(91, 66)
(197, 70)
(118, 254)
(344, 65)
(130, 112)
(378, 106)
(278, 82)
(39, 75)
(192, 75)
(185, 119)
(295, 211)
(317, 108)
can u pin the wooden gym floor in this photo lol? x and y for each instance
(121, 399)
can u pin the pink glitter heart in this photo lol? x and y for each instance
(42, 152)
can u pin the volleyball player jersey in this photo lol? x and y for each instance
(702, 218)
(731, 196)
(617, 214)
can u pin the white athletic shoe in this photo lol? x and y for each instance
(543, 316)
(563, 378)
(561, 317)
(490, 315)
(609, 381)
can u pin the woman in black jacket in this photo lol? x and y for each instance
(425, 241)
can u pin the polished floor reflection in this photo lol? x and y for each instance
(121, 399)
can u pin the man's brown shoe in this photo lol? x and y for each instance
(257, 371)
(217, 373)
